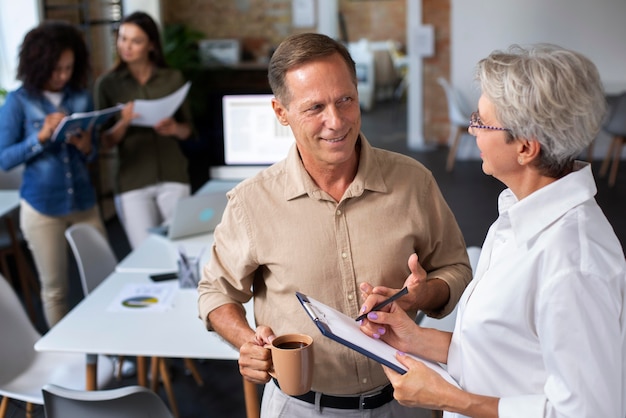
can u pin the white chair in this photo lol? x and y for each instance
(616, 126)
(11, 242)
(124, 402)
(94, 256)
(24, 371)
(96, 260)
(459, 117)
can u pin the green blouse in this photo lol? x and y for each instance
(144, 157)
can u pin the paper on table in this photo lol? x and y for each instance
(345, 330)
(144, 297)
(152, 111)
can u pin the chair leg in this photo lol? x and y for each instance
(251, 396)
(617, 155)
(453, 149)
(607, 159)
(154, 371)
(436, 414)
(191, 366)
(167, 383)
(28, 282)
(29, 410)
(4, 406)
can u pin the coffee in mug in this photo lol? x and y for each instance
(292, 356)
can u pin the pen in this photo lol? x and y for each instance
(401, 293)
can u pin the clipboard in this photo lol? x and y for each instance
(346, 331)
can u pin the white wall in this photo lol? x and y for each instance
(152, 7)
(595, 28)
(16, 19)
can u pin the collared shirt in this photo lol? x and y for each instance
(281, 233)
(56, 178)
(543, 324)
(144, 157)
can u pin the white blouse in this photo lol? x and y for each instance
(543, 324)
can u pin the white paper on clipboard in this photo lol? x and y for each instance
(152, 111)
(345, 330)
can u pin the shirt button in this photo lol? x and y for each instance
(68, 175)
(66, 160)
(344, 255)
(338, 213)
(70, 191)
(364, 380)
(350, 297)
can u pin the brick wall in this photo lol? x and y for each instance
(261, 24)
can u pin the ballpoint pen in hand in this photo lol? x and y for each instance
(386, 302)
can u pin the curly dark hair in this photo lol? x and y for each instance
(150, 28)
(41, 50)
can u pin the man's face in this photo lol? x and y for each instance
(323, 112)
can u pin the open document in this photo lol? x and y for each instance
(152, 111)
(345, 330)
(80, 122)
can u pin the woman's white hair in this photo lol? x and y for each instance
(548, 94)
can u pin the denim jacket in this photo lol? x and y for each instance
(56, 178)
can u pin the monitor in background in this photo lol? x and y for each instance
(252, 134)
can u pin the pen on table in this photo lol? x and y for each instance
(386, 302)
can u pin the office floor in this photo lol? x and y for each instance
(472, 197)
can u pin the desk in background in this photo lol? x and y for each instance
(91, 327)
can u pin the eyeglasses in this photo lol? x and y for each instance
(476, 123)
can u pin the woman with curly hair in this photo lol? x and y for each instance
(56, 189)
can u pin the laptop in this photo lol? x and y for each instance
(194, 215)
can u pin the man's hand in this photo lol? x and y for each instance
(413, 282)
(255, 361)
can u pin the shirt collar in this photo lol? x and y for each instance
(368, 177)
(535, 212)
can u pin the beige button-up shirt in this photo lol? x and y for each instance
(281, 233)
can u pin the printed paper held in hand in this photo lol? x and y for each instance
(152, 111)
(345, 330)
(81, 122)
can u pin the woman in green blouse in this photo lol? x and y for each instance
(151, 170)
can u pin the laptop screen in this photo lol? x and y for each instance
(252, 134)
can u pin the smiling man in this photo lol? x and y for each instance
(336, 220)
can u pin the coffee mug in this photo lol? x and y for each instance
(292, 355)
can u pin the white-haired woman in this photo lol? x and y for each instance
(540, 331)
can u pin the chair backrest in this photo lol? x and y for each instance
(457, 109)
(93, 253)
(616, 122)
(17, 334)
(124, 402)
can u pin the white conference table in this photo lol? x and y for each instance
(93, 327)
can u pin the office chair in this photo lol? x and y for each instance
(96, 261)
(11, 242)
(124, 402)
(459, 118)
(24, 371)
(616, 127)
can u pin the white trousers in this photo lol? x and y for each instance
(141, 209)
(276, 404)
(45, 236)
